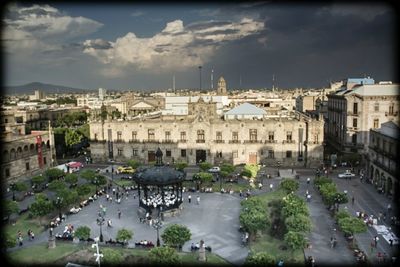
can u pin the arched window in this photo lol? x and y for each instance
(48, 143)
(19, 151)
(26, 148)
(32, 147)
(12, 154)
(6, 155)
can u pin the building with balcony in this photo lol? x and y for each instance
(204, 135)
(358, 106)
(383, 168)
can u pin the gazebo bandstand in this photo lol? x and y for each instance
(159, 189)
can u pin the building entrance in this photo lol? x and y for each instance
(151, 156)
(201, 156)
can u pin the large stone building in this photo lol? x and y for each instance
(23, 154)
(204, 135)
(358, 106)
(383, 168)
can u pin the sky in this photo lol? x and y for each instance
(251, 44)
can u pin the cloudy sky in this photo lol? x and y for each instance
(125, 46)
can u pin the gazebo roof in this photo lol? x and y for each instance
(159, 175)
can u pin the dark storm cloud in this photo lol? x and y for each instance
(206, 25)
(216, 32)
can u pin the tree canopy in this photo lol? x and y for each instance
(164, 256)
(124, 235)
(260, 259)
(82, 232)
(289, 185)
(176, 235)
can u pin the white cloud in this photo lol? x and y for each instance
(176, 46)
(137, 13)
(41, 27)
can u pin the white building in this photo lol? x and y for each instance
(178, 105)
(245, 111)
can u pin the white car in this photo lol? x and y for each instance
(214, 169)
(346, 175)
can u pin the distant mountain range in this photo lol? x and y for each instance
(47, 88)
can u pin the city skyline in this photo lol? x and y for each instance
(140, 47)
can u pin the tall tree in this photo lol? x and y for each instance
(10, 207)
(176, 235)
(164, 256)
(124, 235)
(71, 178)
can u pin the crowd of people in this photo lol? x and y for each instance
(156, 200)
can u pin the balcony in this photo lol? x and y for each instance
(118, 141)
(387, 169)
(168, 141)
(391, 114)
(351, 113)
(97, 141)
(200, 141)
(151, 141)
(136, 141)
(234, 142)
(271, 141)
(354, 145)
(219, 141)
(182, 141)
(288, 142)
(253, 141)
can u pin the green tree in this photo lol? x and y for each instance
(72, 137)
(176, 235)
(57, 185)
(253, 168)
(260, 259)
(253, 220)
(53, 174)
(112, 256)
(352, 225)
(11, 207)
(11, 241)
(18, 187)
(228, 168)
(83, 190)
(82, 232)
(298, 223)
(71, 178)
(133, 163)
(295, 240)
(38, 180)
(203, 177)
(88, 175)
(289, 185)
(103, 113)
(41, 207)
(294, 205)
(68, 196)
(342, 214)
(246, 173)
(180, 166)
(116, 114)
(164, 256)
(84, 130)
(124, 235)
(204, 166)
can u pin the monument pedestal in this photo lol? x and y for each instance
(202, 251)
(52, 242)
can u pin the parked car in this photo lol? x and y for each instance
(214, 169)
(125, 169)
(346, 175)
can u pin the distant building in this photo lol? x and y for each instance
(358, 106)
(102, 93)
(245, 111)
(38, 95)
(221, 87)
(383, 168)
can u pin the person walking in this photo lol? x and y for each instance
(198, 200)
(190, 198)
(271, 186)
(352, 200)
(119, 214)
(376, 239)
(389, 208)
(308, 180)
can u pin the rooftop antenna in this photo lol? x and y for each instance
(212, 79)
(273, 82)
(200, 75)
(173, 83)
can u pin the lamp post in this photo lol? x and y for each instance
(96, 181)
(12, 185)
(59, 201)
(100, 222)
(98, 255)
(157, 225)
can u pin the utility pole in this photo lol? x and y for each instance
(200, 75)
(212, 79)
(173, 83)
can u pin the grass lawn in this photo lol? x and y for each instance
(23, 224)
(123, 182)
(83, 254)
(40, 254)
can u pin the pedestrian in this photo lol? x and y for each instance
(372, 245)
(389, 208)
(332, 242)
(308, 197)
(352, 200)
(190, 198)
(240, 193)
(113, 191)
(32, 235)
(51, 231)
(280, 262)
(271, 186)
(308, 180)
(259, 186)
(29, 234)
(198, 200)
(119, 214)
(376, 239)
(391, 242)
(107, 197)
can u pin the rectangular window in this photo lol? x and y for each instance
(119, 136)
(219, 136)
(376, 123)
(218, 155)
(235, 136)
(234, 154)
(289, 136)
(167, 136)
(355, 108)
(271, 154)
(150, 134)
(200, 136)
(44, 160)
(376, 107)
(288, 154)
(134, 136)
(391, 109)
(27, 166)
(183, 136)
(168, 153)
(253, 134)
(183, 153)
(95, 137)
(119, 152)
(7, 172)
(271, 136)
(134, 152)
(354, 122)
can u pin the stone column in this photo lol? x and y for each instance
(202, 251)
(52, 241)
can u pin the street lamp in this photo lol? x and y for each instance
(100, 222)
(13, 187)
(98, 255)
(96, 181)
(157, 225)
(59, 201)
